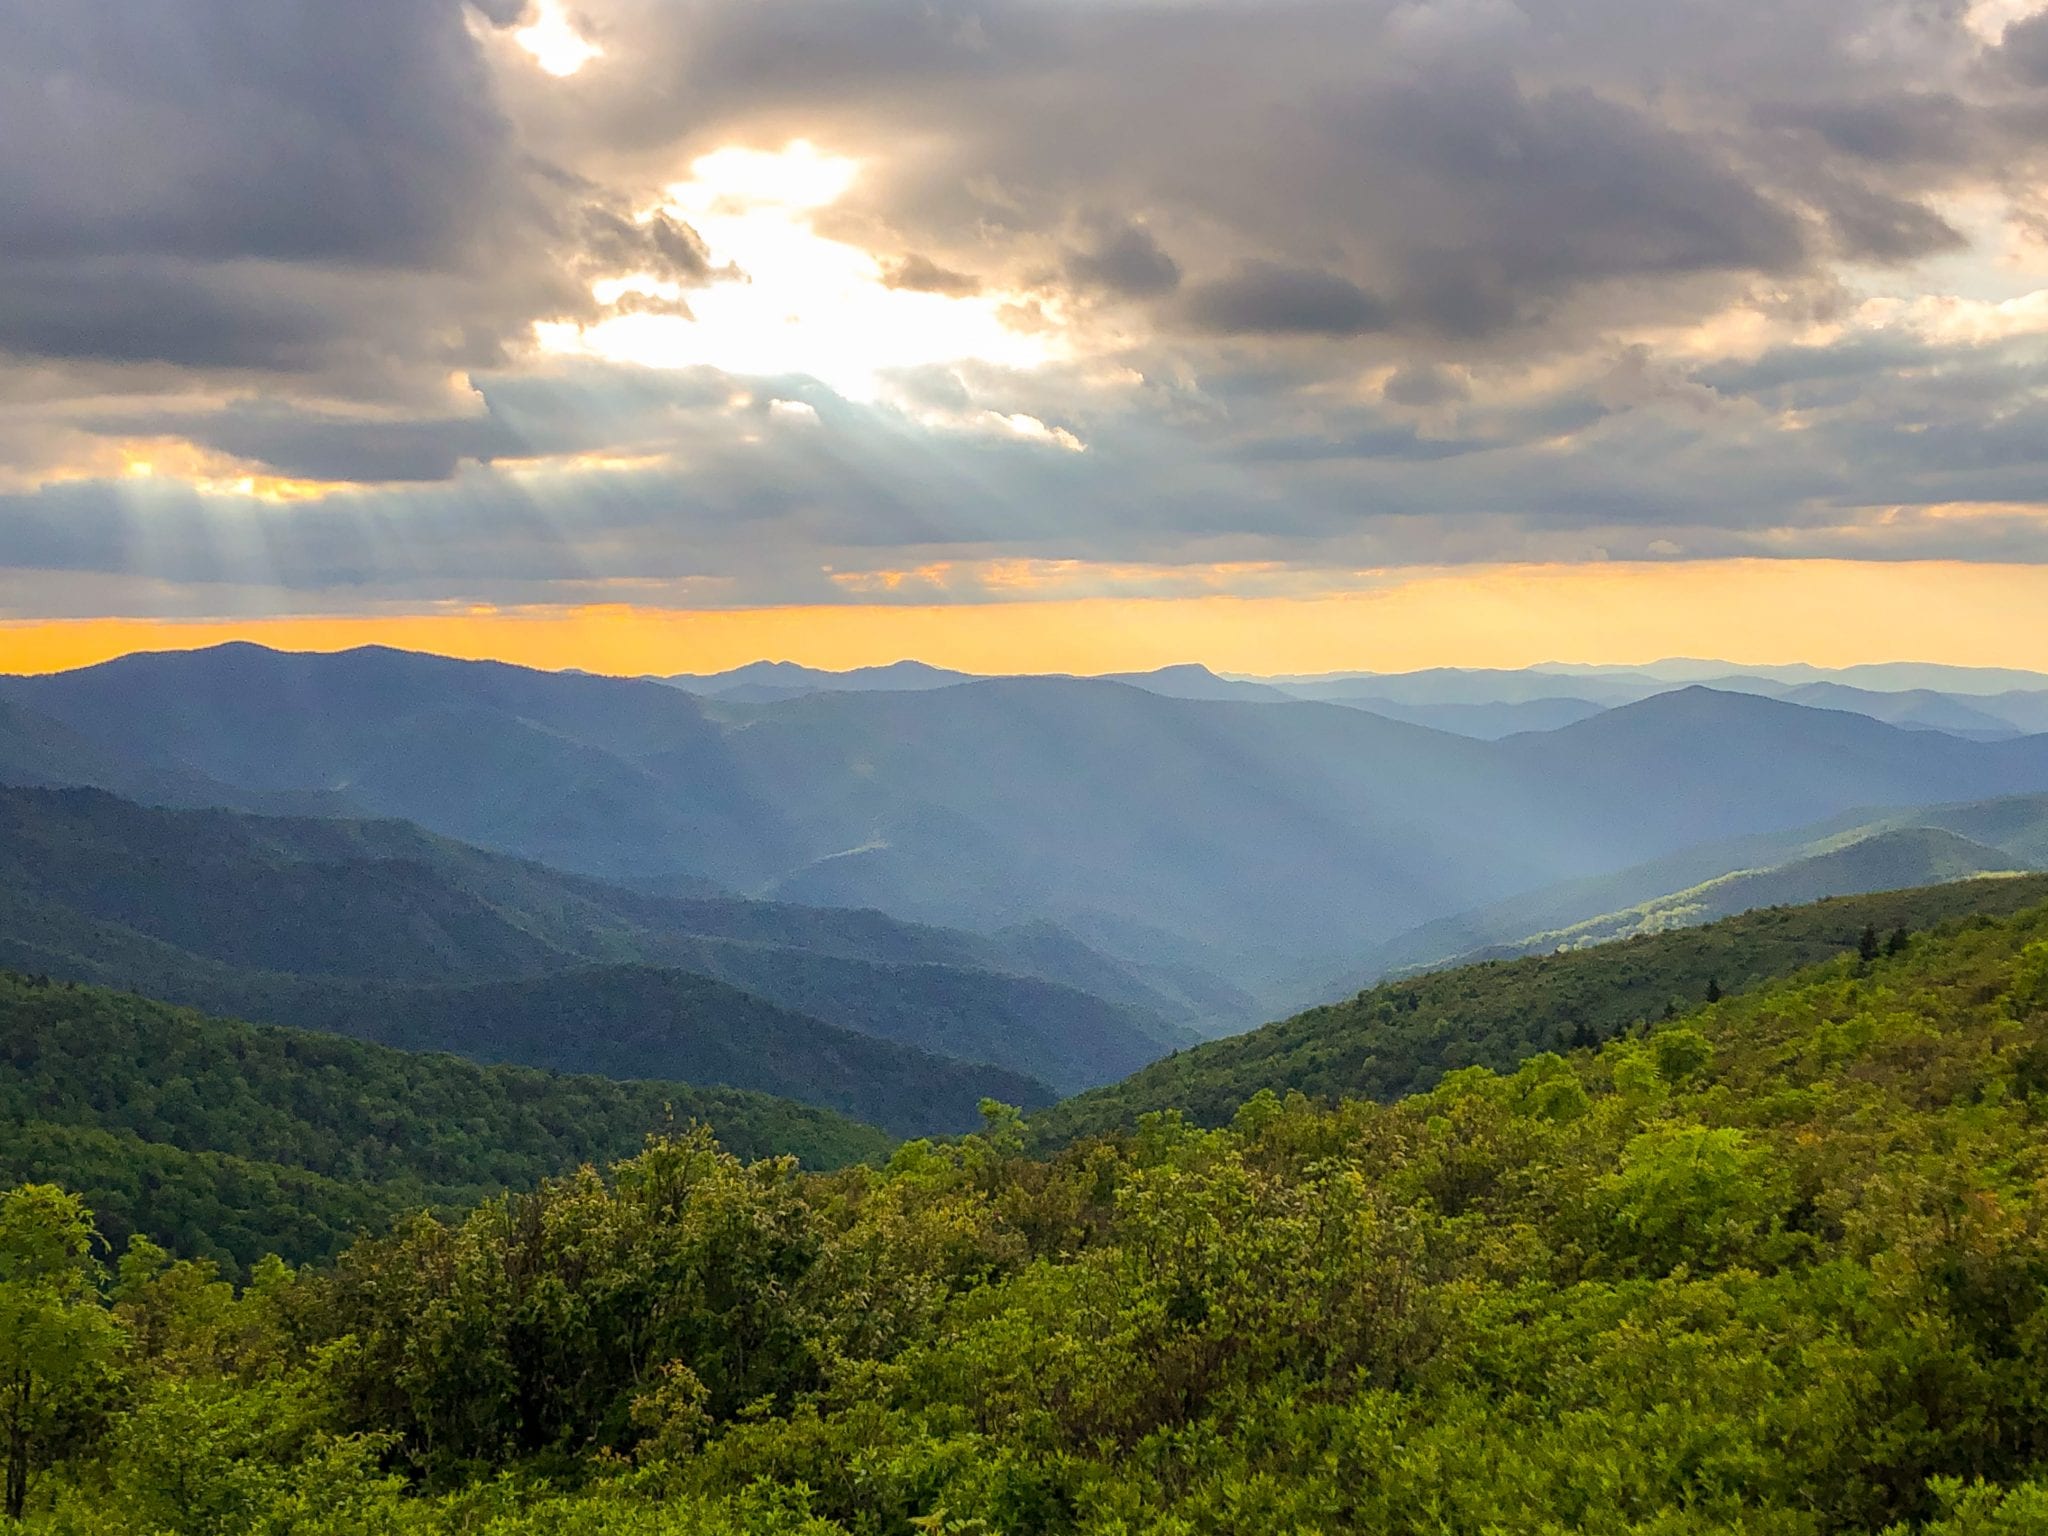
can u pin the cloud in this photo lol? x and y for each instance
(1908, 128)
(2023, 50)
(1321, 285)
(599, 480)
(1261, 298)
(303, 445)
(658, 245)
(1425, 385)
(1126, 260)
(920, 274)
(281, 186)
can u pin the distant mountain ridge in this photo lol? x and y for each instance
(1884, 861)
(1488, 703)
(1204, 838)
(1985, 703)
(760, 681)
(1848, 855)
(1881, 675)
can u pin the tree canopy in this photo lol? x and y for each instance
(1778, 1267)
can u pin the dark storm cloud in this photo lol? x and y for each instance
(1872, 226)
(1264, 299)
(1423, 385)
(1563, 186)
(287, 186)
(128, 309)
(1126, 260)
(2024, 49)
(1908, 128)
(246, 129)
(305, 446)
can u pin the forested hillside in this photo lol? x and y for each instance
(1403, 1036)
(233, 1141)
(361, 926)
(1778, 1266)
(637, 1021)
(270, 892)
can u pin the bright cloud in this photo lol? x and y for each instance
(798, 302)
(554, 42)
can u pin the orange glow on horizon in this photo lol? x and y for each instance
(1830, 613)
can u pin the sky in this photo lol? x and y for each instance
(1286, 335)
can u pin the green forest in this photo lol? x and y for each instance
(232, 1141)
(1775, 1265)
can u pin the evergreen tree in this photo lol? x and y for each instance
(1896, 945)
(1713, 989)
(1866, 947)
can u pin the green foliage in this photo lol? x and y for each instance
(1680, 1053)
(1780, 1268)
(1980, 1510)
(1403, 1036)
(2030, 979)
(231, 1140)
(56, 1341)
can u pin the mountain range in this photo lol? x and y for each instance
(1988, 703)
(1220, 857)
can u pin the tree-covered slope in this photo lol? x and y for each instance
(225, 1138)
(38, 750)
(631, 1021)
(623, 1021)
(185, 904)
(1779, 1267)
(1403, 1036)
